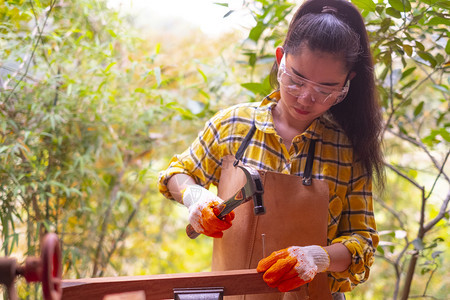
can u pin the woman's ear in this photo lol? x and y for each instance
(279, 52)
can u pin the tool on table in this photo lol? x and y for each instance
(253, 189)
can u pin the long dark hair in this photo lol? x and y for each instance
(336, 26)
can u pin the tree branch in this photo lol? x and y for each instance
(396, 263)
(391, 210)
(122, 234)
(113, 199)
(442, 212)
(405, 98)
(429, 279)
(445, 95)
(404, 176)
(441, 172)
(425, 149)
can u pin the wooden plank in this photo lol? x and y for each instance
(236, 282)
(138, 295)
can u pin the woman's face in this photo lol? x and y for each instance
(310, 83)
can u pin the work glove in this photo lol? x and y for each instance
(292, 267)
(203, 211)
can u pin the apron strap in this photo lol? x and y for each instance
(307, 174)
(244, 144)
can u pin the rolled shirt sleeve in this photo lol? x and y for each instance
(202, 160)
(356, 231)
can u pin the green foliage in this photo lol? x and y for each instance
(271, 18)
(409, 40)
(64, 161)
(84, 104)
(90, 113)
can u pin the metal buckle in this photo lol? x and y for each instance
(211, 293)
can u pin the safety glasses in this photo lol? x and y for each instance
(298, 86)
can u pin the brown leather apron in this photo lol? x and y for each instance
(296, 215)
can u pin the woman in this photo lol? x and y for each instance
(316, 143)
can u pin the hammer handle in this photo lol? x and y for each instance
(190, 231)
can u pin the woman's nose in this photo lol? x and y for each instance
(306, 97)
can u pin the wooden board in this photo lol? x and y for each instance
(138, 295)
(238, 282)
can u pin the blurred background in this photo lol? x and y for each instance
(96, 96)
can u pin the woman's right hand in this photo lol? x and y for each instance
(203, 211)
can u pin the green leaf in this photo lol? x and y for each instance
(447, 47)
(256, 31)
(400, 5)
(380, 8)
(445, 134)
(409, 84)
(38, 3)
(251, 59)
(368, 5)
(420, 45)
(443, 4)
(385, 25)
(256, 88)
(221, 4)
(439, 59)
(393, 12)
(109, 67)
(383, 74)
(408, 49)
(418, 109)
(205, 78)
(112, 33)
(438, 21)
(402, 128)
(3, 148)
(438, 3)
(432, 139)
(427, 57)
(407, 72)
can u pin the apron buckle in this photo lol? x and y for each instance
(306, 181)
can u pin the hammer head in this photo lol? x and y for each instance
(254, 189)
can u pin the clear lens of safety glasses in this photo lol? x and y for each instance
(297, 87)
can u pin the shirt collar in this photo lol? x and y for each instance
(264, 118)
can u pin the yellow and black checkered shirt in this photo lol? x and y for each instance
(350, 219)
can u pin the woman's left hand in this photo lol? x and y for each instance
(292, 267)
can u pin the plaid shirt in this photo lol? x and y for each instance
(350, 218)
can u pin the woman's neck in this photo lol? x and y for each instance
(287, 122)
(287, 128)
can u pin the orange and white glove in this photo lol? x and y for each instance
(203, 211)
(292, 267)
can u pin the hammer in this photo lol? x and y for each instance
(253, 189)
